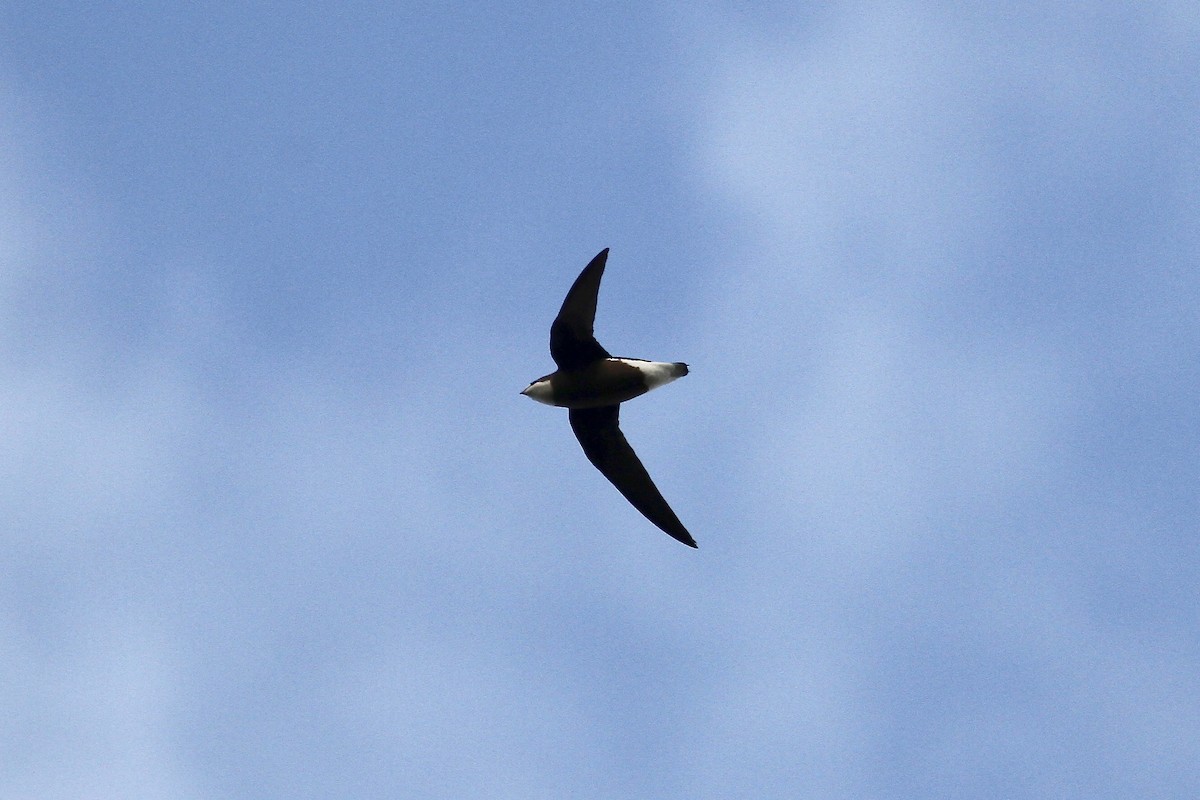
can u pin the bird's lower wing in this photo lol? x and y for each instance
(605, 446)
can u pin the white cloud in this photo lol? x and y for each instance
(231, 559)
(903, 428)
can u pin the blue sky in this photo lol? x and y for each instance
(276, 522)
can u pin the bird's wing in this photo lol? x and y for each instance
(572, 344)
(606, 447)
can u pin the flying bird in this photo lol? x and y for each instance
(593, 384)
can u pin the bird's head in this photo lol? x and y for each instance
(540, 390)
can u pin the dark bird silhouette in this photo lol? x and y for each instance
(593, 384)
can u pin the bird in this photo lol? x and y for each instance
(592, 384)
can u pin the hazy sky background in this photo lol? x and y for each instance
(276, 523)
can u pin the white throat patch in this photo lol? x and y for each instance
(540, 391)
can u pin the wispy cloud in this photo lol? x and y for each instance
(267, 533)
(931, 384)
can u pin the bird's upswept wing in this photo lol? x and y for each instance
(572, 344)
(605, 446)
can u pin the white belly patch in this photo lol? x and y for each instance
(655, 373)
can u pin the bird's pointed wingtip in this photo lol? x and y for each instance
(683, 537)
